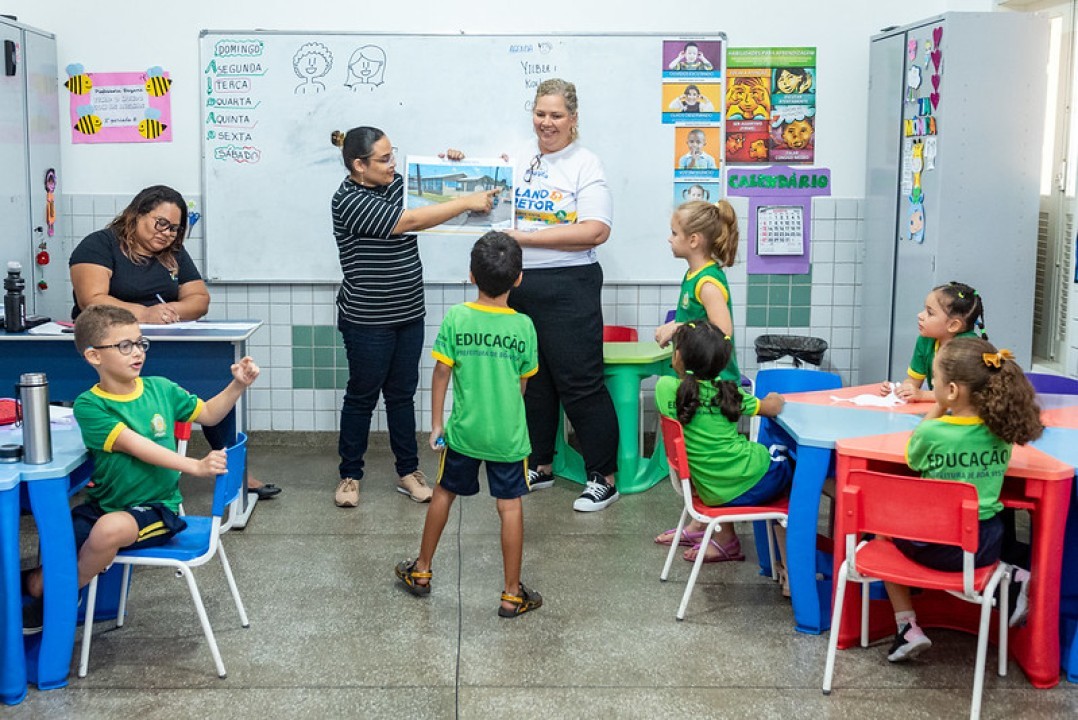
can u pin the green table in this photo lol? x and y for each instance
(625, 365)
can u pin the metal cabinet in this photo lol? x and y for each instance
(979, 197)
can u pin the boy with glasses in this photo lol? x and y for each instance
(127, 425)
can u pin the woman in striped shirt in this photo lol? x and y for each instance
(380, 303)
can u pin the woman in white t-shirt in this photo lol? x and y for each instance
(563, 213)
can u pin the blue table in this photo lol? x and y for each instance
(1062, 444)
(814, 430)
(45, 658)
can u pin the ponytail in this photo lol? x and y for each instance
(999, 390)
(703, 351)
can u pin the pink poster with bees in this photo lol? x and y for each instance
(120, 107)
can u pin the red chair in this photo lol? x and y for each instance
(619, 333)
(894, 506)
(674, 440)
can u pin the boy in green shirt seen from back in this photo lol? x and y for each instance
(489, 350)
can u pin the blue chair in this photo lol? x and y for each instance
(783, 381)
(1053, 384)
(191, 548)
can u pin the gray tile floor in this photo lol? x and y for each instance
(333, 636)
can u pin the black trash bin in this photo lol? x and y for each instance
(801, 348)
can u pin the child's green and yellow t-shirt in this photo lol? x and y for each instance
(924, 353)
(723, 463)
(490, 349)
(690, 308)
(120, 480)
(962, 449)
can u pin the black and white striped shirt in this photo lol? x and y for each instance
(383, 277)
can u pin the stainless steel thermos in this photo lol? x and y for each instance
(32, 392)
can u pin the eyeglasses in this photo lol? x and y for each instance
(163, 225)
(535, 163)
(388, 159)
(126, 346)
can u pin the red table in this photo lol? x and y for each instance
(1035, 482)
(826, 397)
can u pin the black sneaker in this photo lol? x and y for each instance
(33, 616)
(910, 642)
(539, 480)
(596, 496)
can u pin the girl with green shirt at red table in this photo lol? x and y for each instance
(705, 235)
(727, 469)
(984, 405)
(951, 311)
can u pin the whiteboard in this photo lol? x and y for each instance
(273, 98)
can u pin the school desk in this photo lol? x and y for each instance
(45, 658)
(196, 356)
(814, 429)
(1062, 444)
(1036, 482)
(844, 395)
(625, 365)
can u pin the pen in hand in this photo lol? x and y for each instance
(167, 314)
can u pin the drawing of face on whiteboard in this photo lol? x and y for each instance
(366, 67)
(312, 61)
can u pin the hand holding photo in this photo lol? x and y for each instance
(433, 180)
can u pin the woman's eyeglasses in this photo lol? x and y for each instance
(126, 346)
(535, 163)
(387, 159)
(163, 225)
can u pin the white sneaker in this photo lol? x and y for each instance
(597, 495)
(347, 494)
(414, 485)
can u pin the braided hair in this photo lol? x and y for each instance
(704, 351)
(963, 302)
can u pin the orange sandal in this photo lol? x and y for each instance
(408, 575)
(527, 601)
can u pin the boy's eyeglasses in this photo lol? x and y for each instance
(126, 346)
(535, 163)
(163, 225)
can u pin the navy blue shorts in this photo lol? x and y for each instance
(949, 557)
(459, 474)
(156, 523)
(774, 484)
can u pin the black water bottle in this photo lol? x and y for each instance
(14, 300)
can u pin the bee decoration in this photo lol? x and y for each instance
(152, 127)
(88, 123)
(156, 82)
(79, 83)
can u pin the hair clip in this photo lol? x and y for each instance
(961, 296)
(689, 372)
(726, 338)
(997, 359)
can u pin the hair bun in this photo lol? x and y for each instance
(337, 138)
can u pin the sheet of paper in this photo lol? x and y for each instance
(869, 400)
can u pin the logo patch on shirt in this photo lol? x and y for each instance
(157, 425)
(685, 301)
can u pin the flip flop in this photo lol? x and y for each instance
(726, 554)
(688, 537)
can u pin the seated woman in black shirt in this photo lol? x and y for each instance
(138, 262)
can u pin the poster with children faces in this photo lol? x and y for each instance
(782, 83)
(688, 191)
(695, 101)
(696, 152)
(689, 58)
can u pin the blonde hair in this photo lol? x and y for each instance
(567, 91)
(716, 223)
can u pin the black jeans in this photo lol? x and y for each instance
(382, 360)
(566, 306)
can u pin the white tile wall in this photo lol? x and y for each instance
(275, 405)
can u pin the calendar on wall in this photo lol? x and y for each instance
(780, 230)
